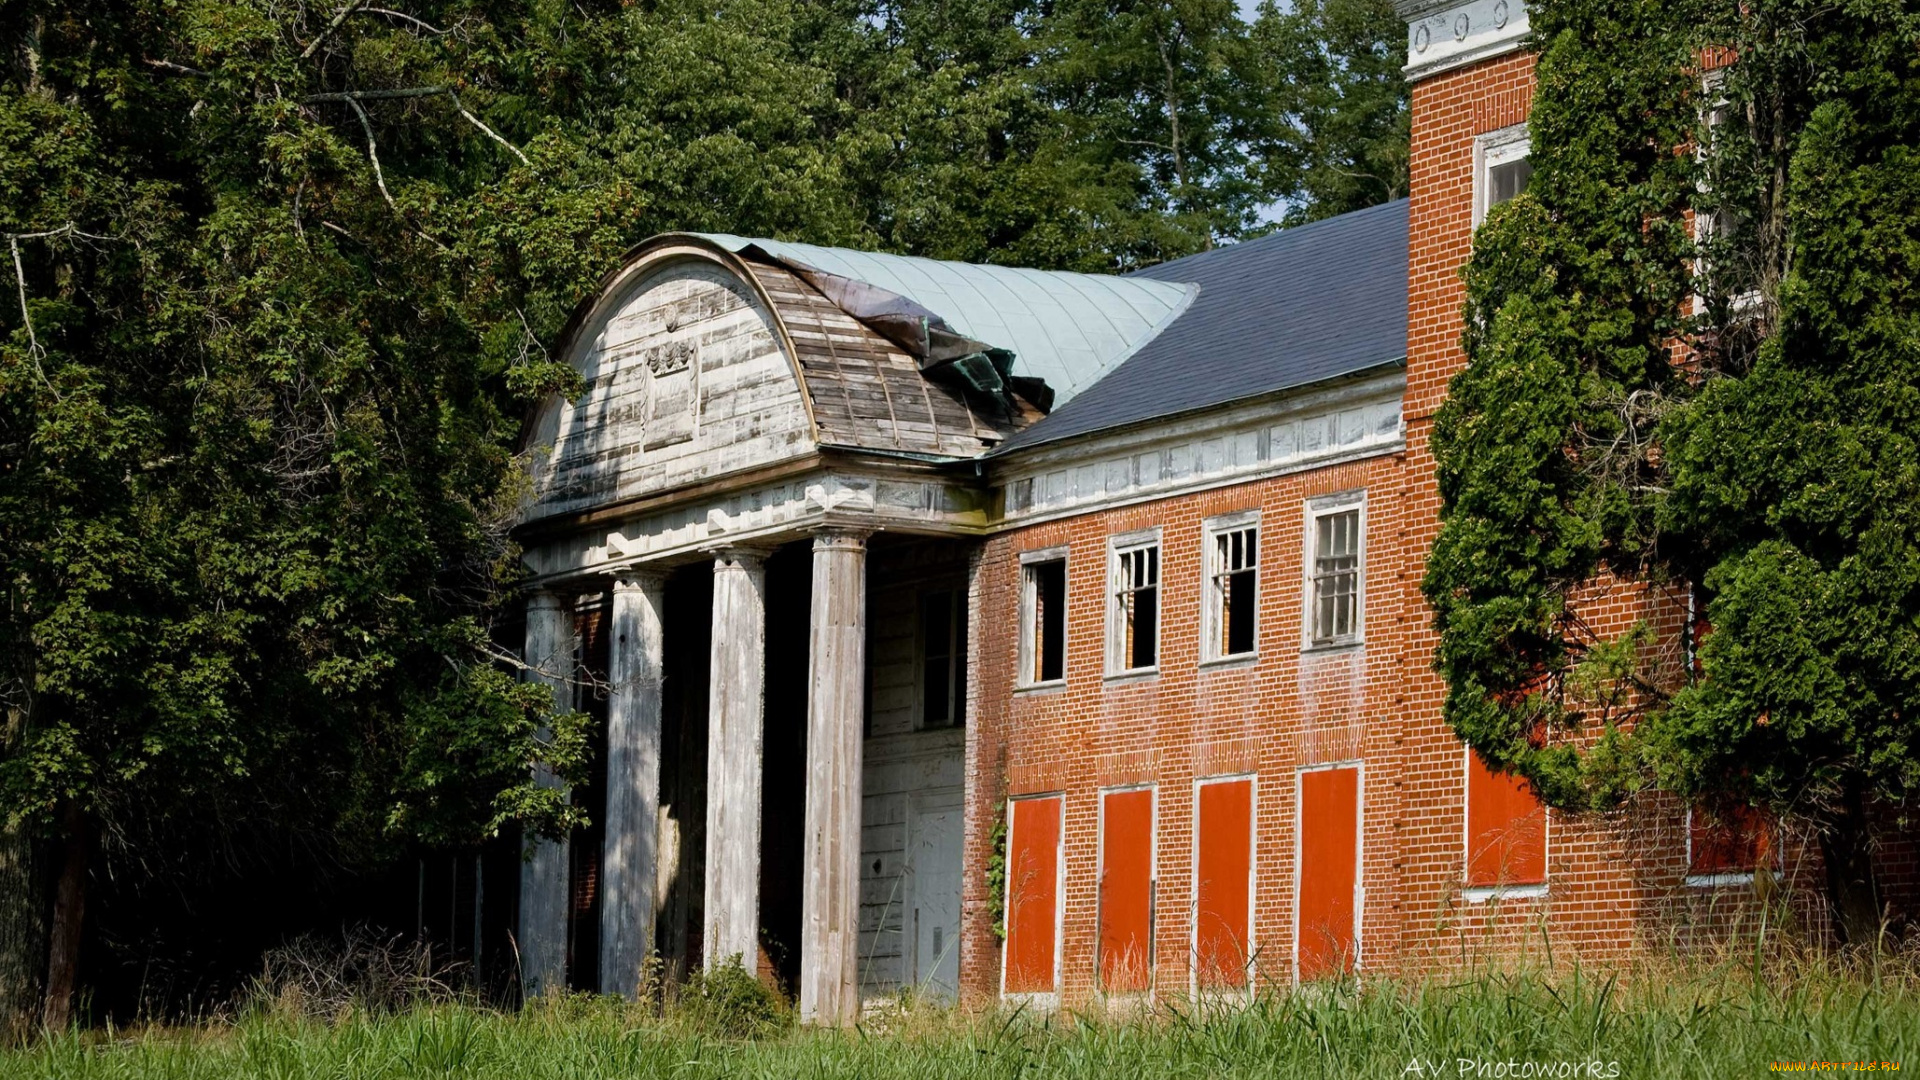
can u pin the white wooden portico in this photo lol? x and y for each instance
(731, 410)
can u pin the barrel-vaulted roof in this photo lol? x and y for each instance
(1069, 329)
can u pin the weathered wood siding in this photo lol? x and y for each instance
(685, 379)
(902, 764)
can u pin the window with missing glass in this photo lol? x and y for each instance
(1133, 614)
(943, 658)
(1502, 169)
(1232, 589)
(1726, 267)
(1043, 618)
(1335, 593)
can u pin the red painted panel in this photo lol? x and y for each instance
(1506, 829)
(1033, 894)
(1222, 878)
(1735, 842)
(1329, 869)
(1126, 890)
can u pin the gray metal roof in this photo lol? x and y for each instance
(1069, 329)
(1299, 306)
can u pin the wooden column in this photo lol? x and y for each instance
(735, 701)
(630, 859)
(544, 877)
(836, 649)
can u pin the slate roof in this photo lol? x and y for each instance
(1069, 329)
(1296, 307)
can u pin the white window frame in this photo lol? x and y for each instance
(1719, 879)
(1317, 508)
(1118, 546)
(1029, 633)
(1480, 894)
(1211, 600)
(1507, 145)
(1711, 85)
(1194, 988)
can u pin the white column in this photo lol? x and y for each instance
(837, 642)
(545, 876)
(735, 701)
(630, 857)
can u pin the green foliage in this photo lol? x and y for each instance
(1664, 1026)
(996, 872)
(1340, 132)
(731, 1002)
(1775, 475)
(1545, 470)
(281, 279)
(255, 446)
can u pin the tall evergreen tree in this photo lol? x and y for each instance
(1775, 475)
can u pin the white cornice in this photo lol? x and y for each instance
(1250, 441)
(1442, 36)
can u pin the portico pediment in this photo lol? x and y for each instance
(687, 378)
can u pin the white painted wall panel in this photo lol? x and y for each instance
(685, 381)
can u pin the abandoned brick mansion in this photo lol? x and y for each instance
(1005, 633)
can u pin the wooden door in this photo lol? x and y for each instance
(1033, 896)
(1223, 883)
(1325, 939)
(1126, 890)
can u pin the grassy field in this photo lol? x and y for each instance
(1497, 1026)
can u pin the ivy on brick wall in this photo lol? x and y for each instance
(1763, 474)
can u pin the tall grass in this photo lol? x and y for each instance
(1720, 1022)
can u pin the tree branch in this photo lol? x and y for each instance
(355, 97)
(171, 68)
(421, 23)
(374, 95)
(379, 177)
(492, 134)
(346, 10)
(34, 349)
(373, 151)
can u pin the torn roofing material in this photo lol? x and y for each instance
(1297, 307)
(944, 354)
(1067, 329)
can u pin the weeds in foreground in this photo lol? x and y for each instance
(1505, 1025)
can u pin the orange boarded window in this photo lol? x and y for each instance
(1033, 894)
(1126, 890)
(1329, 870)
(1733, 842)
(1506, 829)
(1223, 870)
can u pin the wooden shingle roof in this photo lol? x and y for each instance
(867, 394)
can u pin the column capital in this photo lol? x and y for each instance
(638, 578)
(547, 599)
(743, 556)
(828, 537)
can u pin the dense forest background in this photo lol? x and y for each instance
(280, 277)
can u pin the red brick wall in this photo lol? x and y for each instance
(1186, 722)
(1599, 872)
(1614, 881)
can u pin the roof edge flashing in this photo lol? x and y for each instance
(1013, 448)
